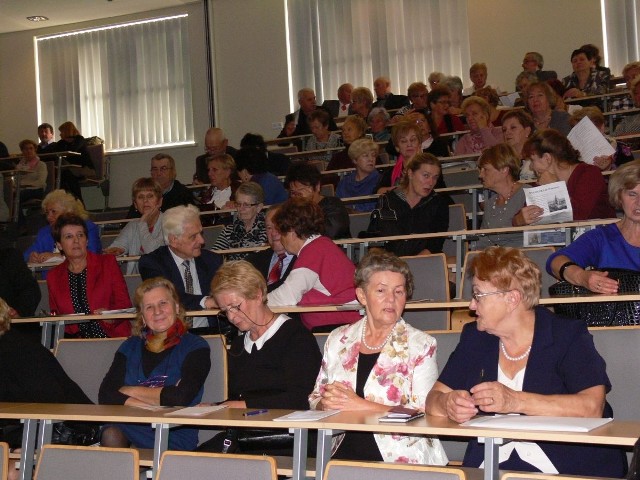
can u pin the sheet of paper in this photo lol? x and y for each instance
(195, 411)
(532, 422)
(589, 141)
(306, 416)
(553, 198)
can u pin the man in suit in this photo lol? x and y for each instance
(215, 144)
(274, 263)
(307, 102)
(183, 261)
(342, 106)
(47, 143)
(384, 97)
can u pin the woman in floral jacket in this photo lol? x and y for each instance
(379, 362)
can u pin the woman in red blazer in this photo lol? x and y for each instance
(86, 282)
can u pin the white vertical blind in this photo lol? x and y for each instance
(621, 21)
(336, 41)
(129, 84)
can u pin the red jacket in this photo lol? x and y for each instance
(106, 289)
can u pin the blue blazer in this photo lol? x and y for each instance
(159, 263)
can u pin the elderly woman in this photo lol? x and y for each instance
(34, 181)
(517, 127)
(322, 138)
(523, 80)
(519, 358)
(353, 128)
(616, 245)
(585, 80)
(499, 168)
(483, 134)
(378, 362)
(86, 283)
(439, 103)
(418, 95)
(431, 142)
(248, 228)
(275, 360)
(220, 194)
(533, 63)
(361, 102)
(162, 364)
(478, 75)
(378, 121)
(436, 78)
(415, 208)
(455, 86)
(322, 274)
(490, 95)
(554, 159)
(362, 181)
(144, 235)
(303, 181)
(407, 140)
(631, 123)
(541, 102)
(72, 140)
(56, 203)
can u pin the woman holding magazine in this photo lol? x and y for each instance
(554, 159)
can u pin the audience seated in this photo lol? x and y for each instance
(162, 364)
(629, 72)
(72, 141)
(174, 193)
(303, 181)
(322, 138)
(277, 163)
(584, 80)
(47, 143)
(307, 102)
(353, 128)
(436, 78)
(431, 142)
(631, 123)
(223, 187)
(275, 262)
(490, 95)
(252, 166)
(533, 63)
(478, 75)
(604, 162)
(406, 137)
(248, 228)
(362, 181)
(55, 204)
(596, 59)
(215, 144)
(342, 106)
(144, 235)
(86, 283)
(361, 102)
(185, 262)
(517, 127)
(482, 134)
(384, 97)
(378, 122)
(288, 129)
(541, 103)
(439, 103)
(417, 93)
(413, 207)
(322, 273)
(523, 80)
(455, 86)
(34, 182)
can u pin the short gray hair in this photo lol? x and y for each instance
(382, 261)
(174, 219)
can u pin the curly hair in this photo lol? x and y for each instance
(301, 216)
(382, 261)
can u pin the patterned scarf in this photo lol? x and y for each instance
(173, 336)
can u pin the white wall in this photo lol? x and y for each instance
(251, 80)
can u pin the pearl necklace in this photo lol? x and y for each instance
(506, 199)
(514, 359)
(364, 342)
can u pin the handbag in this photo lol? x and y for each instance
(255, 440)
(601, 314)
(383, 221)
(75, 433)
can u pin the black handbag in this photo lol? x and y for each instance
(383, 221)
(601, 314)
(252, 440)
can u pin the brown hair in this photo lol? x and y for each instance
(302, 216)
(552, 142)
(500, 156)
(416, 162)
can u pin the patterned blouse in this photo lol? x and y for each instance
(236, 236)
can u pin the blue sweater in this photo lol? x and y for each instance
(44, 240)
(350, 187)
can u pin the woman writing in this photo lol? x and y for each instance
(162, 364)
(142, 235)
(482, 134)
(85, 282)
(275, 360)
(248, 229)
(378, 362)
(519, 358)
(616, 245)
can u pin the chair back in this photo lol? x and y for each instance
(96, 153)
(358, 222)
(72, 462)
(328, 190)
(192, 465)
(431, 282)
(132, 282)
(457, 222)
(541, 476)
(349, 470)
(211, 234)
(4, 460)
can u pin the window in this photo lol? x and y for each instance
(336, 41)
(128, 84)
(620, 23)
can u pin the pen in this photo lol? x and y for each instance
(255, 412)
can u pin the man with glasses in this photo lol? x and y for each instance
(215, 144)
(174, 193)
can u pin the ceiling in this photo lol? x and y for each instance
(13, 13)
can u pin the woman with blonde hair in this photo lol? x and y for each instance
(55, 204)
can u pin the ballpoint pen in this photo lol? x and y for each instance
(255, 412)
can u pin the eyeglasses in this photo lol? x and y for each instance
(245, 205)
(478, 296)
(224, 312)
(160, 169)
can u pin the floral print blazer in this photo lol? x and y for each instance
(403, 375)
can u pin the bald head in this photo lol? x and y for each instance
(215, 142)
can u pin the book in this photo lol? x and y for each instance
(306, 416)
(400, 414)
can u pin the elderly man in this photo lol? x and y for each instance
(533, 63)
(629, 73)
(274, 263)
(340, 107)
(307, 102)
(184, 261)
(174, 193)
(384, 97)
(215, 143)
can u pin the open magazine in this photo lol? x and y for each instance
(553, 198)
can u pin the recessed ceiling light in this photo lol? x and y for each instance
(38, 18)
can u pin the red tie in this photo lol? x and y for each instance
(276, 270)
(344, 107)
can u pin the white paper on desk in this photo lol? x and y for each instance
(509, 100)
(532, 422)
(153, 408)
(589, 141)
(554, 200)
(195, 411)
(306, 416)
(119, 310)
